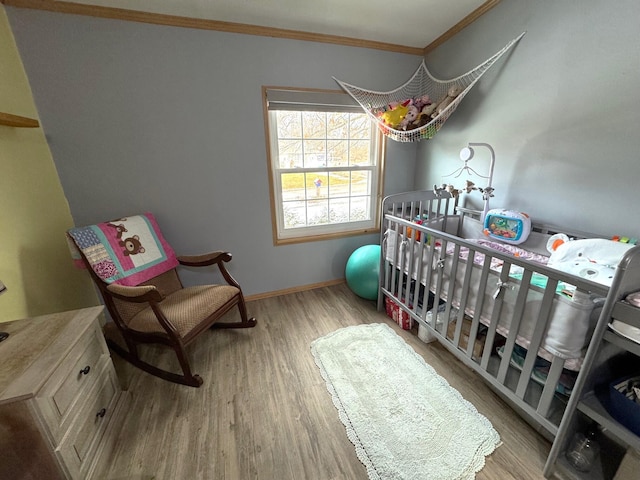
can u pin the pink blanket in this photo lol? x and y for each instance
(127, 251)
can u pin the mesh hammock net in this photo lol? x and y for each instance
(419, 108)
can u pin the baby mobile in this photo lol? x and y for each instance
(466, 155)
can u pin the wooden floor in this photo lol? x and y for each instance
(264, 411)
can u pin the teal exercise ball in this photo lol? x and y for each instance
(363, 271)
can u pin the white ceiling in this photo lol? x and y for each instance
(411, 23)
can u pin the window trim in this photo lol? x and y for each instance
(306, 95)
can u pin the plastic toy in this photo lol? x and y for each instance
(507, 225)
(618, 238)
(363, 271)
(414, 235)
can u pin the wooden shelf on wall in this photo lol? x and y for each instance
(18, 121)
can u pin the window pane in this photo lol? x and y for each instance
(315, 153)
(295, 214)
(360, 209)
(360, 126)
(290, 153)
(292, 186)
(289, 124)
(359, 153)
(317, 185)
(338, 125)
(339, 184)
(314, 124)
(317, 212)
(339, 210)
(337, 153)
(360, 182)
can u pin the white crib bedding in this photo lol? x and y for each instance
(571, 320)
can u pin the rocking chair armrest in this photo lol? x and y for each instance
(139, 294)
(205, 259)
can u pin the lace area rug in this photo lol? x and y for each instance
(405, 420)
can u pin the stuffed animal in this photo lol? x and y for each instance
(452, 93)
(592, 258)
(452, 190)
(395, 114)
(409, 118)
(424, 116)
(421, 101)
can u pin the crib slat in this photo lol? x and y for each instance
(446, 315)
(464, 292)
(410, 264)
(455, 256)
(418, 276)
(473, 334)
(516, 320)
(428, 278)
(437, 292)
(550, 386)
(482, 286)
(491, 331)
(466, 283)
(497, 307)
(396, 257)
(428, 274)
(415, 260)
(542, 322)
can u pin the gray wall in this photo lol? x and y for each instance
(562, 111)
(169, 120)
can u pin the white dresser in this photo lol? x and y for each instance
(60, 401)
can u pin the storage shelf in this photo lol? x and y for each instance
(626, 313)
(609, 356)
(622, 342)
(591, 406)
(10, 120)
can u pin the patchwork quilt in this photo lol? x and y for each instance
(127, 251)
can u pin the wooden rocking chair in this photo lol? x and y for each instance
(158, 309)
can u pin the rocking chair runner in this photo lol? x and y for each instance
(150, 305)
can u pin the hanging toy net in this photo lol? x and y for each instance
(419, 108)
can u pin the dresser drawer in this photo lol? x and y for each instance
(78, 447)
(70, 382)
(49, 400)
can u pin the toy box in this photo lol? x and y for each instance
(398, 315)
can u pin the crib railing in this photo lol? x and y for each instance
(447, 290)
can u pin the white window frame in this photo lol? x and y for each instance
(283, 98)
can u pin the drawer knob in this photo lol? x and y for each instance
(101, 413)
(85, 370)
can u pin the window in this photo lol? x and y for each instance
(325, 162)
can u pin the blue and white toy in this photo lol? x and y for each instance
(507, 226)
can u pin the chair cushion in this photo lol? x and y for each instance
(185, 308)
